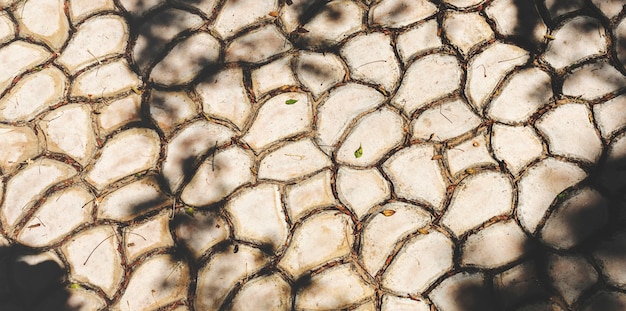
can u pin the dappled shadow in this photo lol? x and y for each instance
(32, 281)
(594, 228)
(154, 35)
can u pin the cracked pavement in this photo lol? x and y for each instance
(313, 155)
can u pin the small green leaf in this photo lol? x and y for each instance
(291, 101)
(359, 152)
(189, 211)
(562, 194)
(75, 286)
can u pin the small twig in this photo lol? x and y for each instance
(94, 57)
(176, 267)
(295, 156)
(84, 263)
(484, 70)
(375, 61)
(444, 115)
(510, 59)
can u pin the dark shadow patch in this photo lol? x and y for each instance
(31, 287)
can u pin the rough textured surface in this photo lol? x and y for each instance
(194, 155)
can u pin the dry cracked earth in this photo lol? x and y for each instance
(313, 155)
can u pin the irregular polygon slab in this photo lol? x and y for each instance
(276, 120)
(44, 20)
(158, 31)
(68, 130)
(320, 239)
(257, 215)
(293, 160)
(277, 74)
(418, 39)
(223, 272)
(61, 213)
(361, 189)
(381, 233)
(236, 15)
(374, 135)
(268, 292)
(509, 16)
(81, 9)
(427, 79)
(523, 93)
(319, 71)
(486, 69)
(333, 289)
(333, 22)
(538, 187)
(132, 200)
(571, 275)
(606, 301)
(515, 145)
(470, 153)
(397, 14)
(200, 232)
(159, 281)
(105, 80)
(32, 95)
(119, 113)
(143, 237)
(257, 45)
(463, 291)
(610, 115)
(81, 297)
(169, 109)
(341, 107)
(413, 161)
(225, 97)
(218, 176)
(576, 219)
(186, 60)
(593, 80)
(477, 199)
(580, 37)
(494, 246)
(570, 132)
(445, 121)
(465, 30)
(93, 258)
(189, 145)
(393, 303)
(609, 256)
(26, 186)
(306, 195)
(7, 28)
(407, 275)
(95, 39)
(126, 153)
(17, 57)
(371, 58)
(17, 144)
